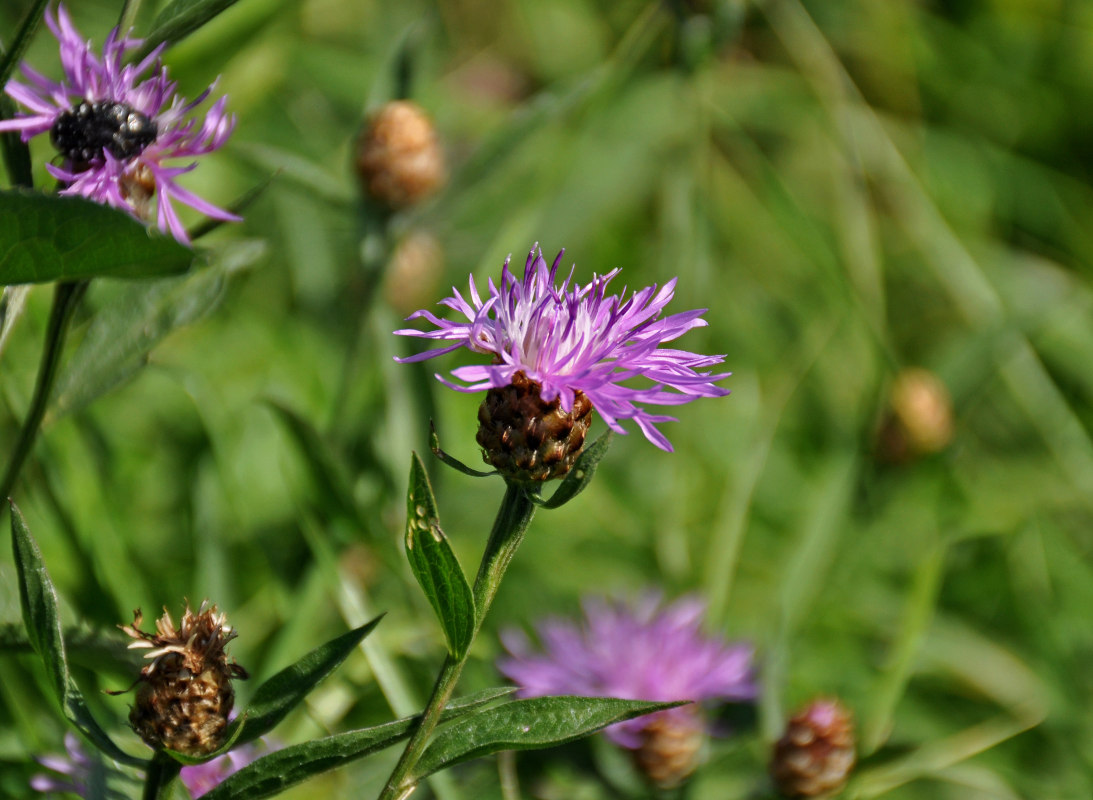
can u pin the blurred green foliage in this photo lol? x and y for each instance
(849, 186)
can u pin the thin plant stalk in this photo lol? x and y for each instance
(512, 521)
(66, 297)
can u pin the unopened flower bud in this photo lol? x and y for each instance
(526, 439)
(920, 416)
(671, 746)
(816, 754)
(398, 158)
(413, 275)
(185, 694)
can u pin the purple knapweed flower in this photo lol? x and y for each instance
(643, 652)
(75, 773)
(115, 131)
(202, 778)
(571, 340)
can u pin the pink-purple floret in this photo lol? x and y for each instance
(91, 78)
(640, 653)
(571, 338)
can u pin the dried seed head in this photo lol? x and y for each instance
(185, 694)
(398, 158)
(528, 440)
(671, 746)
(816, 754)
(919, 419)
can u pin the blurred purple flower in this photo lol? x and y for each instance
(202, 778)
(570, 338)
(70, 773)
(643, 652)
(115, 131)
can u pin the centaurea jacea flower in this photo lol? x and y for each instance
(643, 652)
(561, 350)
(115, 130)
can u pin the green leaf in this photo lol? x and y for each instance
(579, 477)
(452, 461)
(529, 724)
(434, 564)
(13, 150)
(43, 624)
(284, 691)
(274, 773)
(48, 238)
(180, 19)
(123, 332)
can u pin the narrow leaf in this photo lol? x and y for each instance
(434, 564)
(181, 18)
(14, 50)
(39, 602)
(123, 332)
(237, 207)
(284, 691)
(48, 238)
(529, 724)
(452, 461)
(579, 477)
(273, 773)
(13, 150)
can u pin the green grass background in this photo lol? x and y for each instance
(849, 186)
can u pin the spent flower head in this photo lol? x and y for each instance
(573, 345)
(641, 652)
(185, 695)
(116, 127)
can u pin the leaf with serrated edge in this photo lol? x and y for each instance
(48, 238)
(434, 563)
(529, 724)
(43, 624)
(273, 773)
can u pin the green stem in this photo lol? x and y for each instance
(66, 296)
(508, 531)
(162, 770)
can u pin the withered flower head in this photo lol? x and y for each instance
(185, 693)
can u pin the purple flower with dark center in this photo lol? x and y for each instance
(571, 340)
(643, 652)
(115, 130)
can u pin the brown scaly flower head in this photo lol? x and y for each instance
(919, 420)
(185, 694)
(816, 754)
(398, 158)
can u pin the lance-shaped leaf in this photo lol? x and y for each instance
(49, 238)
(126, 329)
(435, 565)
(529, 724)
(284, 691)
(272, 774)
(181, 18)
(43, 624)
(579, 477)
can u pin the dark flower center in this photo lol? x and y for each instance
(86, 129)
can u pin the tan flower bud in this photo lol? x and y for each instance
(920, 416)
(816, 754)
(671, 746)
(184, 695)
(398, 158)
(526, 439)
